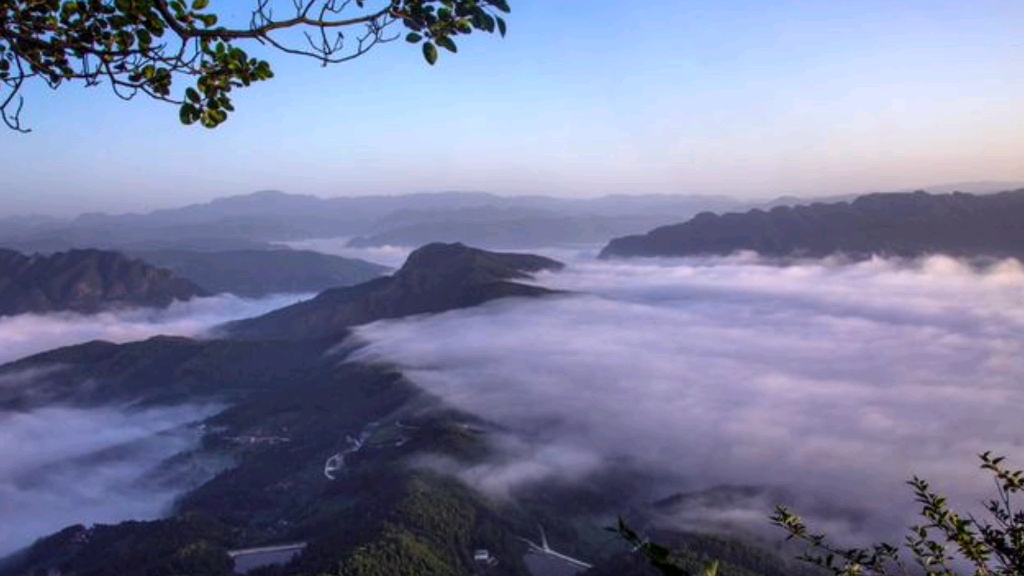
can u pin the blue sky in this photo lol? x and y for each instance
(741, 97)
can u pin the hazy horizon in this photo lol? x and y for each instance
(119, 208)
(740, 98)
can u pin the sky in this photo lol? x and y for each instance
(749, 98)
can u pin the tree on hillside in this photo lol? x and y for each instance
(946, 543)
(143, 46)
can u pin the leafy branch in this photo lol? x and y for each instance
(992, 547)
(143, 46)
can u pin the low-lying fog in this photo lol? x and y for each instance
(393, 256)
(63, 466)
(835, 381)
(27, 334)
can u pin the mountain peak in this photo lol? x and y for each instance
(442, 260)
(85, 281)
(436, 277)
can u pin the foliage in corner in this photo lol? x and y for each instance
(993, 547)
(143, 46)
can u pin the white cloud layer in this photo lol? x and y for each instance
(393, 256)
(63, 466)
(27, 334)
(830, 379)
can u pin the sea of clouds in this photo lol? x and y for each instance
(831, 381)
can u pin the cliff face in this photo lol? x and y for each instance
(434, 278)
(910, 224)
(85, 281)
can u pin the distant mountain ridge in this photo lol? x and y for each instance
(493, 227)
(435, 278)
(256, 220)
(270, 216)
(85, 281)
(257, 273)
(900, 224)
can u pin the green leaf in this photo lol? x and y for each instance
(501, 25)
(430, 53)
(447, 43)
(192, 95)
(413, 38)
(200, 4)
(187, 114)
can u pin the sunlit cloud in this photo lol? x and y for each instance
(825, 378)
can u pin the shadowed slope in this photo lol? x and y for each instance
(85, 281)
(256, 273)
(435, 278)
(889, 224)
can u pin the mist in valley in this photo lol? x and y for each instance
(824, 384)
(64, 466)
(720, 386)
(26, 334)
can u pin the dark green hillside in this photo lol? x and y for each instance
(255, 273)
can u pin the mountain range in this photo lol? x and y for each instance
(255, 220)
(434, 278)
(86, 281)
(294, 400)
(293, 403)
(257, 273)
(252, 221)
(899, 224)
(489, 226)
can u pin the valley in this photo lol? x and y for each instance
(512, 404)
